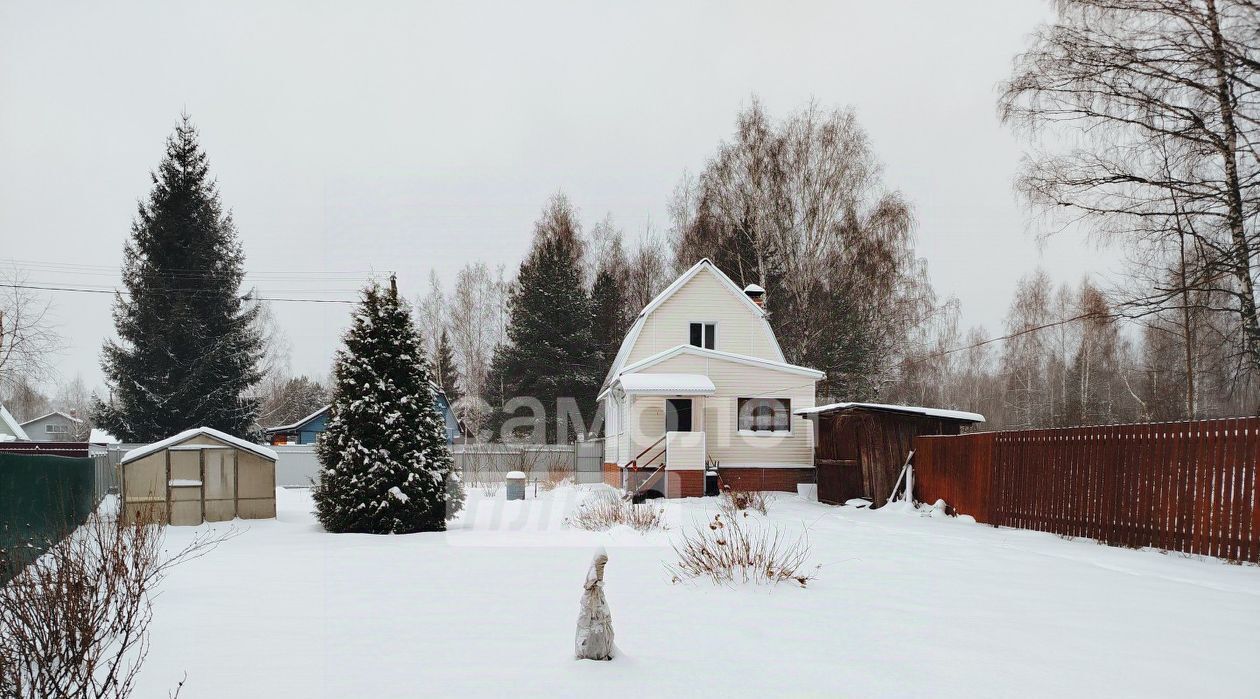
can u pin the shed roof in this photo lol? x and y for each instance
(957, 415)
(140, 452)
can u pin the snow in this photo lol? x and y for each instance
(184, 483)
(691, 384)
(140, 452)
(918, 410)
(904, 604)
(100, 436)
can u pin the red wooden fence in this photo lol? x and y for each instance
(1178, 486)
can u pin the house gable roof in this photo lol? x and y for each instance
(704, 265)
(140, 452)
(48, 415)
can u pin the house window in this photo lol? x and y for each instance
(765, 415)
(56, 429)
(703, 335)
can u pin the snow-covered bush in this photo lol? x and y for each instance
(734, 500)
(734, 549)
(605, 509)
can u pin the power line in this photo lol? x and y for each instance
(67, 289)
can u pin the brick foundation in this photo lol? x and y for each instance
(612, 475)
(684, 484)
(779, 479)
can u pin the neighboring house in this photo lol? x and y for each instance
(10, 430)
(55, 427)
(308, 429)
(700, 380)
(304, 431)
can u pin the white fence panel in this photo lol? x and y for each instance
(296, 465)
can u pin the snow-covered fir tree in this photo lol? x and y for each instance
(385, 464)
(188, 351)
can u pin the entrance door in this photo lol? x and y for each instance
(678, 415)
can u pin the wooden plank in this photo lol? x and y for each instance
(1250, 511)
(1232, 491)
(1254, 455)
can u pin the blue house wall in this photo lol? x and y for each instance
(308, 432)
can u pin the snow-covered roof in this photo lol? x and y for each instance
(140, 452)
(100, 436)
(11, 425)
(627, 343)
(960, 415)
(754, 289)
(48, 415)
(299, 423)
(690, 384)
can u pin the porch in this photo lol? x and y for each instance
(659, 420)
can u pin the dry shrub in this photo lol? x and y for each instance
(558, 473)
(74, 622)
(734, 549)
(735, 500)
(606, 508)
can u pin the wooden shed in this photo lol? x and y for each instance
(199, 475)
(860, 448)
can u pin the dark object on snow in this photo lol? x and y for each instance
(711, 484)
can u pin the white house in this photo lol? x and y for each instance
(700, 380)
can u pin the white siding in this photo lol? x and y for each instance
(717, 414)
(705, 299)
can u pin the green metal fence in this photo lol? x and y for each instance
(42, 499)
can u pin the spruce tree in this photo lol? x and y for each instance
(608, 308)
(550, 352)
(188, 349)
(385, 464)
(446, 374)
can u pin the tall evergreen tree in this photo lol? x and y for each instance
(550, 353)
(188, 350)
(385, 464)
(446, 375)
(610, 312)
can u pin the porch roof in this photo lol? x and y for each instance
(670, 384)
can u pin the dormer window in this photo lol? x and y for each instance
(704, 335)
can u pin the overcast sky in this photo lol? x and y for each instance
(407, 136)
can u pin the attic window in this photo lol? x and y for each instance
(704, 335)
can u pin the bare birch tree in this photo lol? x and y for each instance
(1158, 108)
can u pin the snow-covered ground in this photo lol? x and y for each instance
(903, 605)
